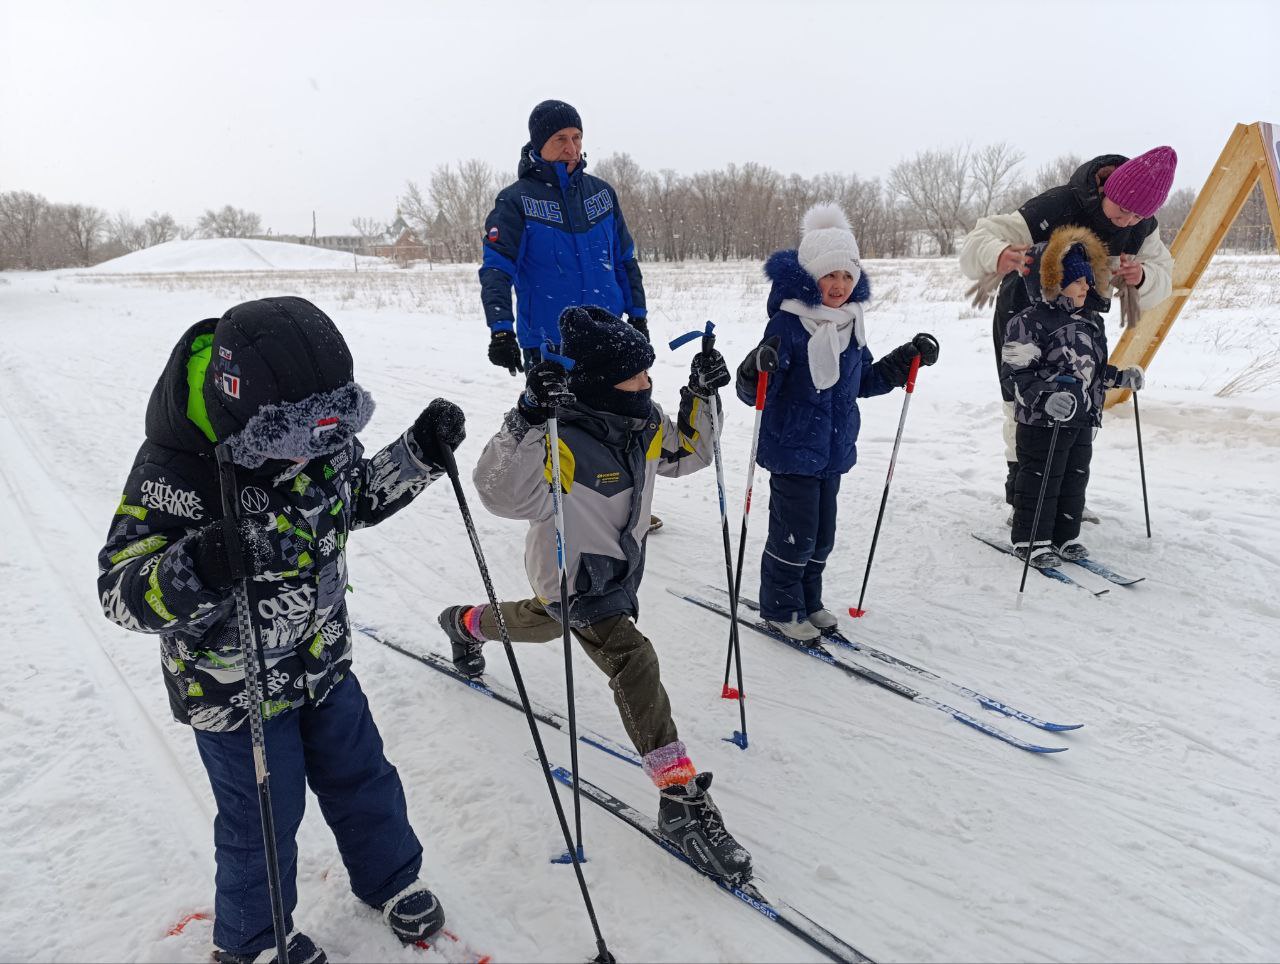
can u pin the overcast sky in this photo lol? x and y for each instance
(284, 107)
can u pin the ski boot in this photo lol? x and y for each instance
(796, 628)
(300, 948)
(468, 652)
(824, 620)
(1043, 555)
(689, 818)
(414, 914)
(1072, 551)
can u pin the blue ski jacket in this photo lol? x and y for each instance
(561, 240)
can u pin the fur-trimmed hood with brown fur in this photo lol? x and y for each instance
(1044, 279)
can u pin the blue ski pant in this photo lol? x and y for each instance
(802, 532)
(336, 749)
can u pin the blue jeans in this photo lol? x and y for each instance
(802, 532)
(334, 747)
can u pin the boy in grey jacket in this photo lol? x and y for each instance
(614, 441)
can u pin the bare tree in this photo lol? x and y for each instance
(368, 228)
(229, 222)
(992, 172)
(1054, 173)
(158, 229)
(82, 227)
(937, 189)
(124, 234)
(21, 217)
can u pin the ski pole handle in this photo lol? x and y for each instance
(911, 374)
(548, 352)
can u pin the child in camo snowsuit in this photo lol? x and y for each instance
(614, 442)
(273, 381)
(1055, 360)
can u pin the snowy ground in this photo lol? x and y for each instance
(1155, 838)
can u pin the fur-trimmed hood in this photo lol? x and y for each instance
(1044, 279)
(790, 280)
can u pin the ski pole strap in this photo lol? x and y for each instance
(548, 352)
(691, 335)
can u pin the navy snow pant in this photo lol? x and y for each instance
(1063, 508)
(802, 531)
(334, 747)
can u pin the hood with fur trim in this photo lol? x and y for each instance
(790, 280)
(1044, 279)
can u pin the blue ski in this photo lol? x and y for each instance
(870, 675)
(496, 691)
(987, 702)
(1055, 574)
(782, 914)
(1106, 572)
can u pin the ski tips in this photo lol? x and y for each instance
(729, 692)
(856, 613)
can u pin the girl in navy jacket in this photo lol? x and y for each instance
(809, 428)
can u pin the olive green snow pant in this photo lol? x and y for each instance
(619, 649)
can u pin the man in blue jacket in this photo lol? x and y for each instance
(557, 234)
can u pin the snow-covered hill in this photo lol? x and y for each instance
(1156, 837)
(229, 254)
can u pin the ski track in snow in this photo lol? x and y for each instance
(1155, 837)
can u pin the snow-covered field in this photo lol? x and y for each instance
(1155, 838)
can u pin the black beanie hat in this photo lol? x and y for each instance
(280, 383)
(604, 348)
(547, 118)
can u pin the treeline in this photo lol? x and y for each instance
(923, 208)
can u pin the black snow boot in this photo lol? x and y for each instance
(689, 818)
(468, 652)
(414, 914)
(300, 948)
(1043, 555)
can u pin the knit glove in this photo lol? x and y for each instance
(545, 388)
(1060, 406)
(1132, 378)
(441, 423)
(708, 373)
(762, 358)
(504, 351)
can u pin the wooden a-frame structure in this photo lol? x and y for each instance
(1252, 153)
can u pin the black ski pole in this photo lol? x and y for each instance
(1035, 523)
(1142, 466)
(857, 611)
(255, 671)
(562, 562)
(451, 467)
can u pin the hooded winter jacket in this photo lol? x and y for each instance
(804, 430)
(297, 522)
(608, 464)
(561, 240)
(1053, 346)
(1079, 203)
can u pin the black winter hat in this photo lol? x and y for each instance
(604, 348)
(547, 118)
(280, 383)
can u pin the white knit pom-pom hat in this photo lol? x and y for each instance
(827, 243)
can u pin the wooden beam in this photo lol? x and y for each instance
(1216, 207)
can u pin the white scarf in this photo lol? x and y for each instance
(830, 330)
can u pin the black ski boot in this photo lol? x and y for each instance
(414, 914)
(300, 948)
(1043, 555)
(689, 818)
(468, 652)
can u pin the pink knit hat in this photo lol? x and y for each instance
(1141, 184)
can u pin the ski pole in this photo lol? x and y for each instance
(557, 506)
(1035, 522)
(255, 671)
(739, 738)
(857, 611)
(451, 467)
(766, 362)
(1142, 467)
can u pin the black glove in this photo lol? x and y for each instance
(764, 357)
(708, 373)
(216, 564)
(928, 348)
(545, 388)
(639, 324)
(504, 351)
(441, 423)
